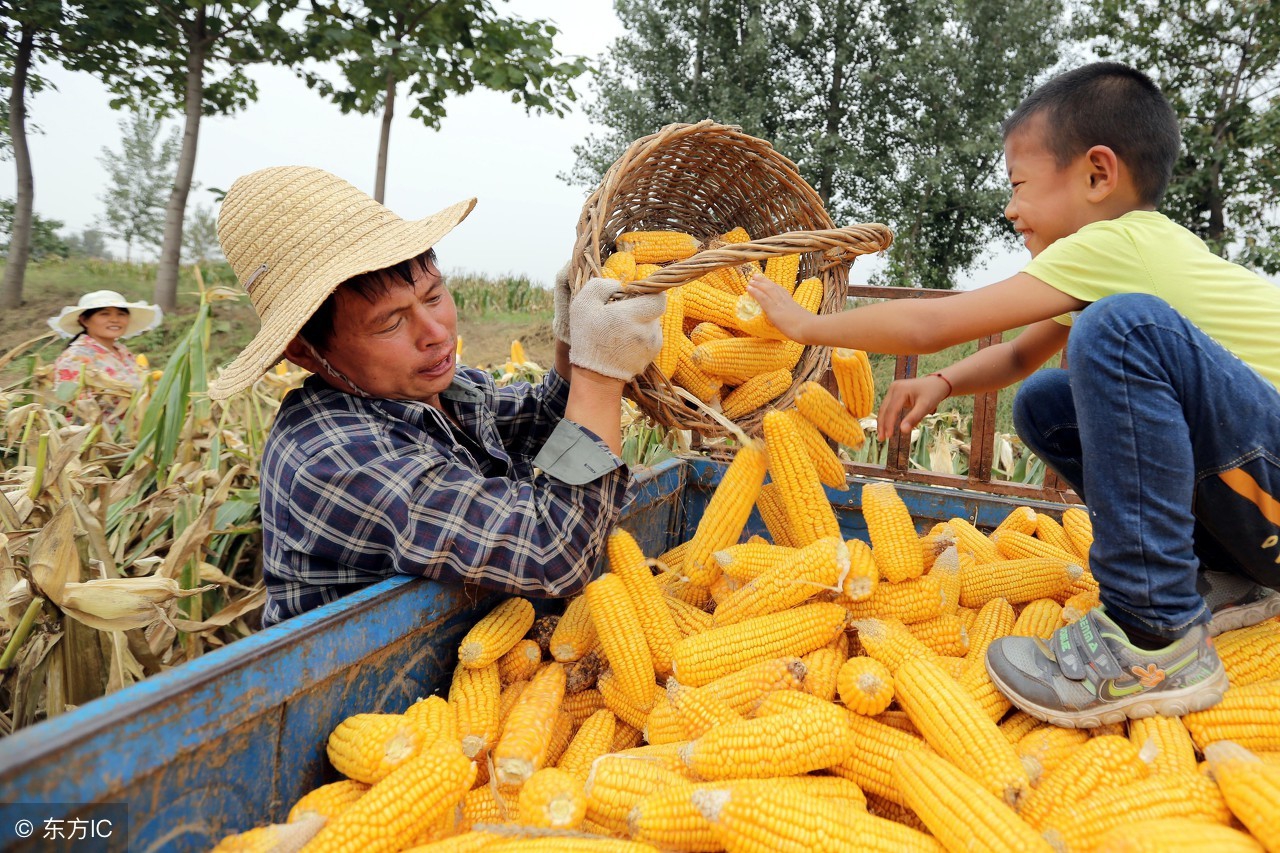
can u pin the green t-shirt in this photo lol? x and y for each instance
(1145, 252)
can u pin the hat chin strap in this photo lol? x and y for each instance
(334, 372)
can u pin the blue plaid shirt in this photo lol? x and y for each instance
(357, 490)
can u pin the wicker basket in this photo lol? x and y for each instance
(705, 179)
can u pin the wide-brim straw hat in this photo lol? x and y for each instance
(292, 234)
(143, 316)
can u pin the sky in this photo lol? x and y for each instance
(487, 147)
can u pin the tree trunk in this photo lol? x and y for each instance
(166, 290)
(834, 110)
(384, 140)
(20, 236)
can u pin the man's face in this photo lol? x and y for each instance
(402, 345)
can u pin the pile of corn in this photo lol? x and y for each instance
(802, 694)
(717, 344)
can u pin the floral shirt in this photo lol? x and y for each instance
(86, 351)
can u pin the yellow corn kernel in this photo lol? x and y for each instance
(865, 686)
(620, 703)
(823, 670)
(434, 717)
(1014, 545)
(1251, 654)
(475, 695)
(1076, 606)
(748, 560)
(495, 634)
(774, 513)
(893, 535)
(809, 513)
(552, 799)
(1016, 581)
(829, 415)
(1250, 787)
(970, 540)
(1166, 741)
(944, 634)
(1079, 529)
(796, 579)
(697, 709)
(657, 247)
(783, 270)
(755, 393)
(826, 463)
(520, 663)
(1043, 750)
(782, 744)
(735, 360)
(958, 812)
(744, 689)
(672, 331)
(889, 641)
(367, 747)
(616, 784)
(1246, 715)
(852, 370)
(328, 801)
(1039, 618)
(526, 737)
(1051, 532)
(620, 266)
(622, 638)
(627, 561)
(864, 577)
(704, 332)
(689, 619)
(276, 836)
(953, 724)
(736, 235)
(704, 657)
(625, 736)
(691, 378)
(1022, 519)
(484, 804)
(1176, 835)
(879, 745)
(575, 633)
(517, 353)
(726, 513)
(914, 600)
(704, 303)
(1081, 824)
(582, 705)
(934, 543)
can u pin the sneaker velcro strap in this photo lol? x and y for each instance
(1079, 649)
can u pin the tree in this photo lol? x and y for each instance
(188, 56)
(139, 178)
(89, 243)
(1219, 65)
(28, 32)
(890, 109)
(43, 241)
(200, 237)
(437, 48)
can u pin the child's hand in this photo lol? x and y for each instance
(907, 401)
(783, 311)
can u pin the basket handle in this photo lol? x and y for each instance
(838, 246)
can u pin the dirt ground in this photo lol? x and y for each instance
(488, 342)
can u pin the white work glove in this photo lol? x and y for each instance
(619, 338)
(560, 322)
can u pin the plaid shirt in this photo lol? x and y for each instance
(357, 490)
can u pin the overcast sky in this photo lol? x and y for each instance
(487, 147)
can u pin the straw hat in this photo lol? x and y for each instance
(143, 316)
(292, 234)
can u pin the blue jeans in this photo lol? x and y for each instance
(1174, 443)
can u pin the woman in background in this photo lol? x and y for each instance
(96, 325)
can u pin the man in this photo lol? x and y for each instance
(391, 459)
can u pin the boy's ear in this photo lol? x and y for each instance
(1104, 171)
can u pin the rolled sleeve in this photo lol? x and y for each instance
(575, 456)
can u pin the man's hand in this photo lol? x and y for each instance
(563, 296)
(907, 401)
(616, 339)
(784, 312)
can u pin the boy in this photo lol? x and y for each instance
(1167, 422)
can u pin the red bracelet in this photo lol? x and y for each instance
(950, 387)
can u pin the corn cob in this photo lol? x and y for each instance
(689, 619)
(704, 332)
(889, 641)
(1051, 533)
(657, 247)
(620, 266)
(560, 843)
(625, 736)
(893, 535)
(852, 370)
(1039, 618)
(552, 799)
(691, 377)
(273, 837)
(582, 705)
(786, 819)
(826, 463)
(889, 810)
(576, 632)
(783, 701)
(735, 360)
(1079, 529)
(672, 331)
(865, 685)
(616, 784)
(935, 542)
(863, 577)
(367, 747)
(809, 513)
(495, 634)
(748, 560)
(1043, 750)
(726, 513)
(704, 657)
(520, 663)
(622, 638)
(1251, 654)
(806, 572)
(1075, 607)
(543, 627)
(668, 820)
(783, 744)
(737, 235)
(959, 813)
(526, 737)
(755, 393)
(1250, 787)
(1022, 519)
(327, 801)
(475, 695)
(1080, 825)
(1176, 835)
(484, 804)
(822, 671)
(913, 600)
(1246, 715)
(562, 733)
(744, 689)
(1016, 581)
(434, 717)
(583, 673)
(620, 703)
(1014, 545)
(774, 514)
(1168, 739)
(783, 271)
(955, 725)
(627, 561)
(829, 415)
(674, 585)
(732, 280)
(403, 805)
(970, 540)
(945, 635)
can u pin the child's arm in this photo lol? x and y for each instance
(913, 326)
(907, 401)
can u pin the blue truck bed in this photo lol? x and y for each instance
(230, 740)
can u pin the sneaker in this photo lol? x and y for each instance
(1235, 601)
(1088, 674)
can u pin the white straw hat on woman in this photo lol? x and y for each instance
(143, 316)
(292, 234)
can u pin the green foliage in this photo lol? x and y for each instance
(1219, 65)
(139, 179)
(89, 243)
(200, 235)
(852, 92)
(479, 296)
(45, 241)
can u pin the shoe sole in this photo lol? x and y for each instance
(1173, 703)
(1244, 615)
